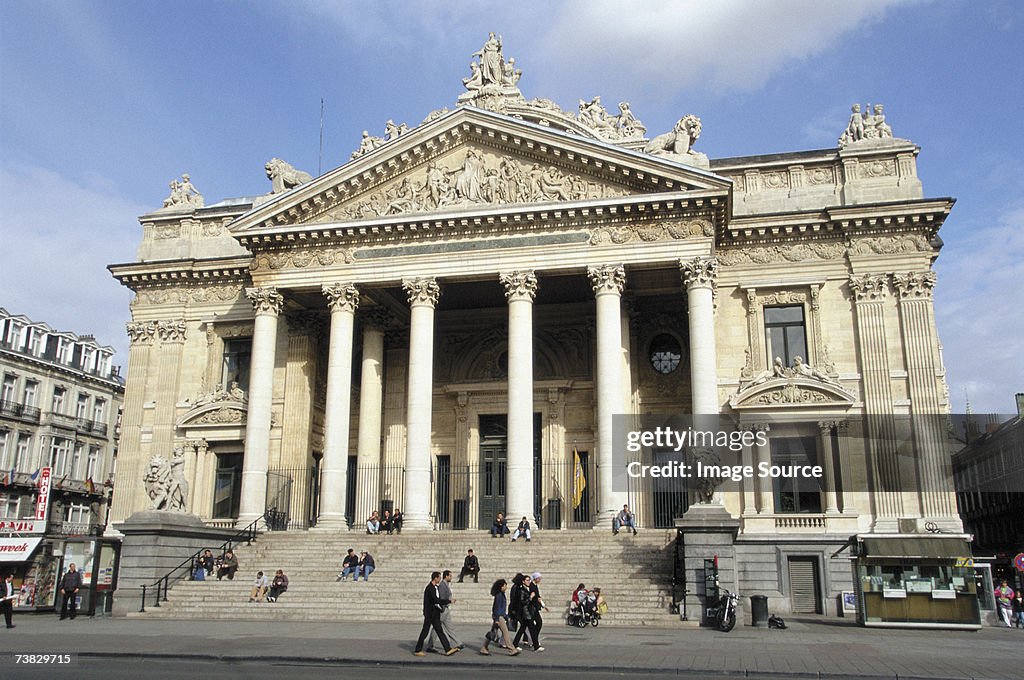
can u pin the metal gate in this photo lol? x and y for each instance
(803, 585)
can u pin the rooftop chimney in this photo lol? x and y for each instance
(1020, 403)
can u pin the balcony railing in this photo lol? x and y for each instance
(13, 409)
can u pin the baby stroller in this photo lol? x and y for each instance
(584, 611)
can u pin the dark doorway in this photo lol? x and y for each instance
(227, 488)
(669, 493)
(581, 488)
(493, 458)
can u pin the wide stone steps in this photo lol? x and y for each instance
(634, 573)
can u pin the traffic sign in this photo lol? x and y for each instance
(1018, 561)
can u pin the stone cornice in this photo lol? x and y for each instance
(188, 272)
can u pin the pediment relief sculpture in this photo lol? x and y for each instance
(799, 384)
(471, 177)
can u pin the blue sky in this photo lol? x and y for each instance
(103, 103)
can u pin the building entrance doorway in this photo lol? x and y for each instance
(493, 462)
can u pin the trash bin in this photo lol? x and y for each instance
(758, 610)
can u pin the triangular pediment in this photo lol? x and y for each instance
(474, 160)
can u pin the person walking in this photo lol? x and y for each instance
(1004, 602)
(69, 586)
(7, 599)
(499, 619)
(536, 606)
(1018, 609)
(523, 610)
(444, 589)
(432, 604)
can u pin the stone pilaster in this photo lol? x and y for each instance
(267, 303)
(423, 294)
(342, 300)
(870, 292)
(921, 353)
(825, 428)
(608, 282)
(172, 335)
(520, 291)
(304, 329)
(699, 275)
(141, 335)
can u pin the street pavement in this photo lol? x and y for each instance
(809, 648)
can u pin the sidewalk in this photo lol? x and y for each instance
(826, 648)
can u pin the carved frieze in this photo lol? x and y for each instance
(889, 245)
(301, 258)
(775, 180)
(878, 168)
(224, 415)
(185, 294)
(607, 278)
(519, 285)
(914, 285)
(869, 287)
(265, 300)
(167, 231)
(653, 231)
(700, 272)
(784, 297)
(341, 297)
(819, 176)
(422, 290)
(798, 252)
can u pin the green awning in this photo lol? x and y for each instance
(917, 547)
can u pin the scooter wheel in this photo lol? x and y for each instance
(582, 623)
(728, 624)
(595, 621)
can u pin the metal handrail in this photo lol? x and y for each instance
(163, 583)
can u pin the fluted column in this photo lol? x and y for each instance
(520, 290)
(267, 303)
(608, 282)
(371, 404)
(342, 300)
(828, 466)
(423, 294)
(699, 276)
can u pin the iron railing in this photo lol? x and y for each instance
(163, 584)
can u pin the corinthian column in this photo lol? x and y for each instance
(371, 403)
(608, 282)
(423, 294)
(699, 276)
(267, 303)
(520, 290)
(342, 300)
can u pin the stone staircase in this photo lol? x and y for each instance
(633, 572)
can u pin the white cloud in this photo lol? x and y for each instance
(59, 235)
(979, 314)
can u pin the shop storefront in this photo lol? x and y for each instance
(919, 581)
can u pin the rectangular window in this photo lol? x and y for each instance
(59, 394)
(88, 357)
(22, 453)
(6, 454)
(9, 506)
(35, 338)
(99, 410)
(82, 413)
(14, 335)
(795, 494)
(92, 464)
(76, 513)
(31, 390)
(237, 354)
(7, 391)
(74, 465)
(60, 450)
(785, 333)
(64, 351)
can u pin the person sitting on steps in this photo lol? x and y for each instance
(522, 530)
(228, 566)
(373, 523)
(397, 519)
(259, 587)
(277, 586)
(387, 522)
(470, 566)
(500, 526)
(625, 518)
(350, 565)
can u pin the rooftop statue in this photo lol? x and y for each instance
(283, 176)
(868, 127)
(183, 194)
(678, 144)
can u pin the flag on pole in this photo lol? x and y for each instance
(579, 480)
(89, 486)
(35, 475)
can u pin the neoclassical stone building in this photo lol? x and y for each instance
(447, 321)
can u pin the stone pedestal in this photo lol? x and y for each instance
(708, 530)
(154, 543)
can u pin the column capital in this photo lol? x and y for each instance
(519, 285)
(309, 322)
(700, 272)
(607, 278)
(377, 317)
(172, 330)
(914, 285)
(265, 300)
(758, 427)
(826, 426)
(869, 287)
(341, 296)
(422, 290)
(141, 332)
